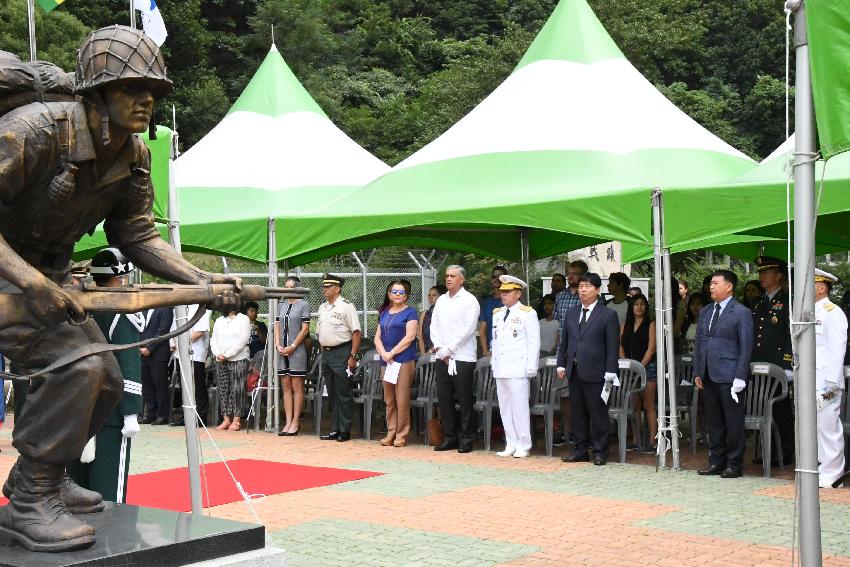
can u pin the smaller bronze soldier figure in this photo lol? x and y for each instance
(772, 343)
(64, 168)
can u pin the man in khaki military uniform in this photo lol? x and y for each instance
(339, 335)
(515, 346)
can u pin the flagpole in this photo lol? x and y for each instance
(132, 15)
(31, 27)
(804, 299)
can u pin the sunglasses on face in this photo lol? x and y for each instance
(397, 292)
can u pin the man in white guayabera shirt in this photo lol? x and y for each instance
(453, 327)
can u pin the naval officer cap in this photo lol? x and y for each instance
(330, 279)
(825, 277)
(769, 262)
(510, 283)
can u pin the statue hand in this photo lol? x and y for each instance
(50, 303)
(229, 300)
(224, 279)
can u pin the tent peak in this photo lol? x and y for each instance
(273, 48)
(572, 33)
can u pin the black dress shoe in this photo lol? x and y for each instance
(712, 470)
(179, 423)
(341, 437)
(291, 433)
(160, 421)
(465, 448)
(146, 419)
(575, 458)
(446, 446)
(731, 473)
(330, 436)
(599, 460)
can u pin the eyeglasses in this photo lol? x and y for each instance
(397, 292)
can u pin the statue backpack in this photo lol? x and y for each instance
(22, 83)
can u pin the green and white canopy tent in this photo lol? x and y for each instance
(565, 151)
(749, 213)
(274, 155)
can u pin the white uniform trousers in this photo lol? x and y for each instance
(513, 407)
(830, 443)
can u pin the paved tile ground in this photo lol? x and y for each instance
(433, 508)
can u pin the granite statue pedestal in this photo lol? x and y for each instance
(134, 536)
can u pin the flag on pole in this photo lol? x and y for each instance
(828, 26)
(152, 21)
(48, 5)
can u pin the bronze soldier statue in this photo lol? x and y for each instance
(64, 168)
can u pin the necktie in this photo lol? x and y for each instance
(583, 321)
(714, 317)
(507, 312)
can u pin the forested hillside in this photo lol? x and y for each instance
(394, 74)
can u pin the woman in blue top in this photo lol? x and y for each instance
(395, 342)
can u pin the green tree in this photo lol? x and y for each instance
(57, 34)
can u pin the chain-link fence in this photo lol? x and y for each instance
(364, 286)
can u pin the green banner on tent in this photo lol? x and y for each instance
(828, 24)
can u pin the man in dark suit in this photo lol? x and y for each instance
(587, 355)
(155, 367)
(772, 338)
(724, 344)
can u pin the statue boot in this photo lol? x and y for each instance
(77, 500)
(36, 518)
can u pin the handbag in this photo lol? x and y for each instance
(253, 379)
(435, 429)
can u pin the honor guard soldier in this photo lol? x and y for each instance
(110, 448)
(339, 335)
(515, 347)
(772, 343)
(830, 340)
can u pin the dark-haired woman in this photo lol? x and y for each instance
(752, 294)
(290, 331)
(395, 342)
(229, 345)
(637, 342)
(424, 335)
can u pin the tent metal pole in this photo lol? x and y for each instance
(661, 345)
(421, 267)
(669, 352)
(132, 14)
(804, 300)
(184, 357)
(363, 269)
(31, 27)
(524, 254)
(273, 393)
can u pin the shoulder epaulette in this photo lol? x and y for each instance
(828, 306)
(526, 308)
(497, 309)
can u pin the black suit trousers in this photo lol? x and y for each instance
(155, 388)
(457, 387)
(590, 416)
(724, 419)
(202, 396)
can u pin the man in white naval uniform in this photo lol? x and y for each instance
(515, 347)
(831, 341)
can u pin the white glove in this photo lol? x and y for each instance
(737, 386)
(443, 352)
(612, 378)
(531, 374)
(88, 452)
(131, 426)
(452, 367)
(790, 375)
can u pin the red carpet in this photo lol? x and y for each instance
(169, 489)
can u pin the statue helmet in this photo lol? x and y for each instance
(121, 53)
(110, 262)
